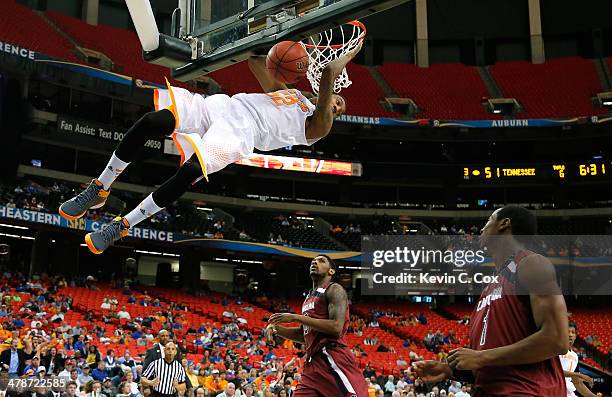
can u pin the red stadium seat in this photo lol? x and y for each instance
(27, 29)
(442, 91)
(120, 45)
(557, 88)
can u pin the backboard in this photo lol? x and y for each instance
(219, 33)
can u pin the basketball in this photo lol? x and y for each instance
(287, 62)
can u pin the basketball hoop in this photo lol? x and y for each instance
(329, 45)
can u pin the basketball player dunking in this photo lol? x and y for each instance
(330, 369)
(210, 133)
(519, 326)
(574, 381)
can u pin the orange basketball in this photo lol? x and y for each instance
(287, 62)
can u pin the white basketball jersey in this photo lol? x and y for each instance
(280, 117)
(569, 362)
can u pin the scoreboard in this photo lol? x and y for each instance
(599, 169)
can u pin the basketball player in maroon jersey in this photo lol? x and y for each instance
(330, 369)
(519, 326)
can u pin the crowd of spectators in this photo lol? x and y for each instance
(434, 341)
(287, 224)
(350, 228)
(284, 230)
(178, 217)
(93, 356)
(33, 328)
(407, 385)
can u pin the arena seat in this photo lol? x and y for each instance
(27, 29)
(594, 322)
(460, 310)
(236, 79)
(415, 333)
(120, 45)
(368, 226)
(259, 227)
(557, 88)
(442, 91)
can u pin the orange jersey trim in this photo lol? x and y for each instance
(179, 147)
(156, 99)
(173, 107)
(200, 157)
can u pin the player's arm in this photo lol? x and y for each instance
(569, 374)
(582, 389)
(337, 304)
(257, 64)
(295, 334)
(578, 380)
(578, 377)
(538, 275)
(321, 122)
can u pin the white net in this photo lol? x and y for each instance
(329, 45)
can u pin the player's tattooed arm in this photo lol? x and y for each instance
(257, 65)
(323, 118)
(336, 306)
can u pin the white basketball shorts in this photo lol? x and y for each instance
(217, 129)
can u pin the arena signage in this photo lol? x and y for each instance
(360, 119)
(429, 123)
(78, 224)
(17, 50)
(89, 129)
(319, 166)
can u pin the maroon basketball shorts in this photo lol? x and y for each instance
(332, 372)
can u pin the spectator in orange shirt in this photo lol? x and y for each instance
(214, 383)
(371, 388)
(259, 380)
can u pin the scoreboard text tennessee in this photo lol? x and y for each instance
(552, 171)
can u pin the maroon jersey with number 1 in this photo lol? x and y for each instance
(503, 317)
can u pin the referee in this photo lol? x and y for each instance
(165, 376)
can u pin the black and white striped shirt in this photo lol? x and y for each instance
(166, 373)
